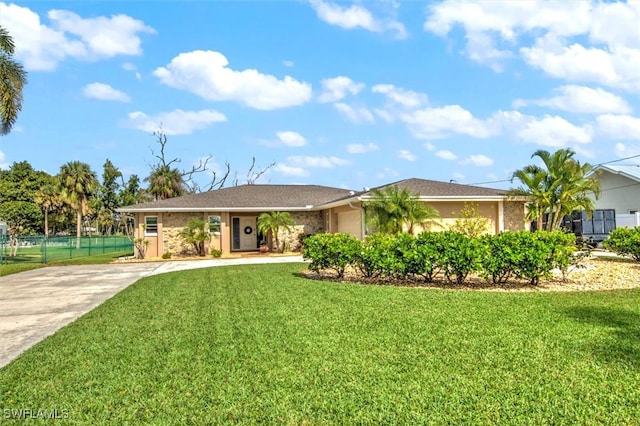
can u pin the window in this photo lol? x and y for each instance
(633, 211)
(150, 225)
(214, 224)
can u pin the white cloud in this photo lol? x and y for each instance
(624, 151)
(579, 41)
(288, 64)
(403, 97)
(457, 176)
(582, 99)
(176, 122)
(354, 114)
(3, 163)
(478, 160)
(104, 92)
(289, 138)
(429, 146)
(290, 170)
(356, 16)
(42, 47)
(554, 131)
(385, 115)
(446, 155)
(618, 127)
(334, 89)
(299, 165)
(359, 148)
(306, 161)
(206, 74)
(406, 155)
(439, 123)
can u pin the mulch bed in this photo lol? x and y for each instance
(594, 273)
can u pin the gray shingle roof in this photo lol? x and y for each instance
(266, 197)
(433, 188)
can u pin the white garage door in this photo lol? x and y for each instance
(349, 222)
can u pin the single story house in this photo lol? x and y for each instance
(231, 213)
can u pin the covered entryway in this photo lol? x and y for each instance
(244, 235)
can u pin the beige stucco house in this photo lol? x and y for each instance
(232, 213)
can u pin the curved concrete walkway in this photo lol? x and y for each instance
(37, 303)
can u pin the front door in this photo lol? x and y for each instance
(244, 233)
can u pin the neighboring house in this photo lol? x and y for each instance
(620, 191)
(232, 212)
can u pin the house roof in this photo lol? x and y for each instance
(306, 197)
(628, 171)
(430, 189)
(248, 198)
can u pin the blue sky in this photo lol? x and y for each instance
(349, 94)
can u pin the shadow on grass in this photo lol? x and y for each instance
(622, 341)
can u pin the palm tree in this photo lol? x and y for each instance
(272, 222)
(165, 182)
(392, 209)
(560, 187)
(48, 198)
(13, 78)
(78, 182)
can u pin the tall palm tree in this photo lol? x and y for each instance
(13, 78)
(78, 182)
(165, 182)
(560, 187)
(48, 198)
(272, 222)
(392, 209)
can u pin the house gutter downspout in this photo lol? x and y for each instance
(362, 224)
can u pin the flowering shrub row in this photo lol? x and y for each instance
(497, 258)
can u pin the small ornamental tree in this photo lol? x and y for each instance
(470, 222)
(272, 222)
(196, 233)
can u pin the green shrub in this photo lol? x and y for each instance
(427, 259)
(331, 251)
(503, 256)
(166, 255)
(215, 252)
(373, 258)
(625, 242)
(461, 255)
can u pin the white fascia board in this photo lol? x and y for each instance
(616, 172)
(213, 209)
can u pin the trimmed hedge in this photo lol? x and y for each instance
(497, 258)
(625, 242)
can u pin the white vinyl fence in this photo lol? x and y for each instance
(627, 220)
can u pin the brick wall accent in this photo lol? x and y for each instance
(173, 223)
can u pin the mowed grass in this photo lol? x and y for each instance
(14, 268)
(251, 344)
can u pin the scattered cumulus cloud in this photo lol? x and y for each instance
(440, 123)
(406, 155)
(206, 74)
(288, 64)
(287, 170)
(355, 114)
(554, 131)
(619, 127)
(402, 97)
(586, 41)
(69, 36)
(335, 89)
(356, 16)
(104, 92)
(176, 122)
(387, 173)
(359, 148)
(4, 165)
(446, 155)
(581, 99)
(319, 162)
(478, 160)
(288, 138)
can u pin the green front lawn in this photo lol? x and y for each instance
(252, 344)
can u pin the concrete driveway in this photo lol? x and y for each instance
(37, 303)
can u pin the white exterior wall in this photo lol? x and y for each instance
(619, 193)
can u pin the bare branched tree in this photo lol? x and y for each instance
(189, 176)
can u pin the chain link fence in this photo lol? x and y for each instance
(40, 249)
